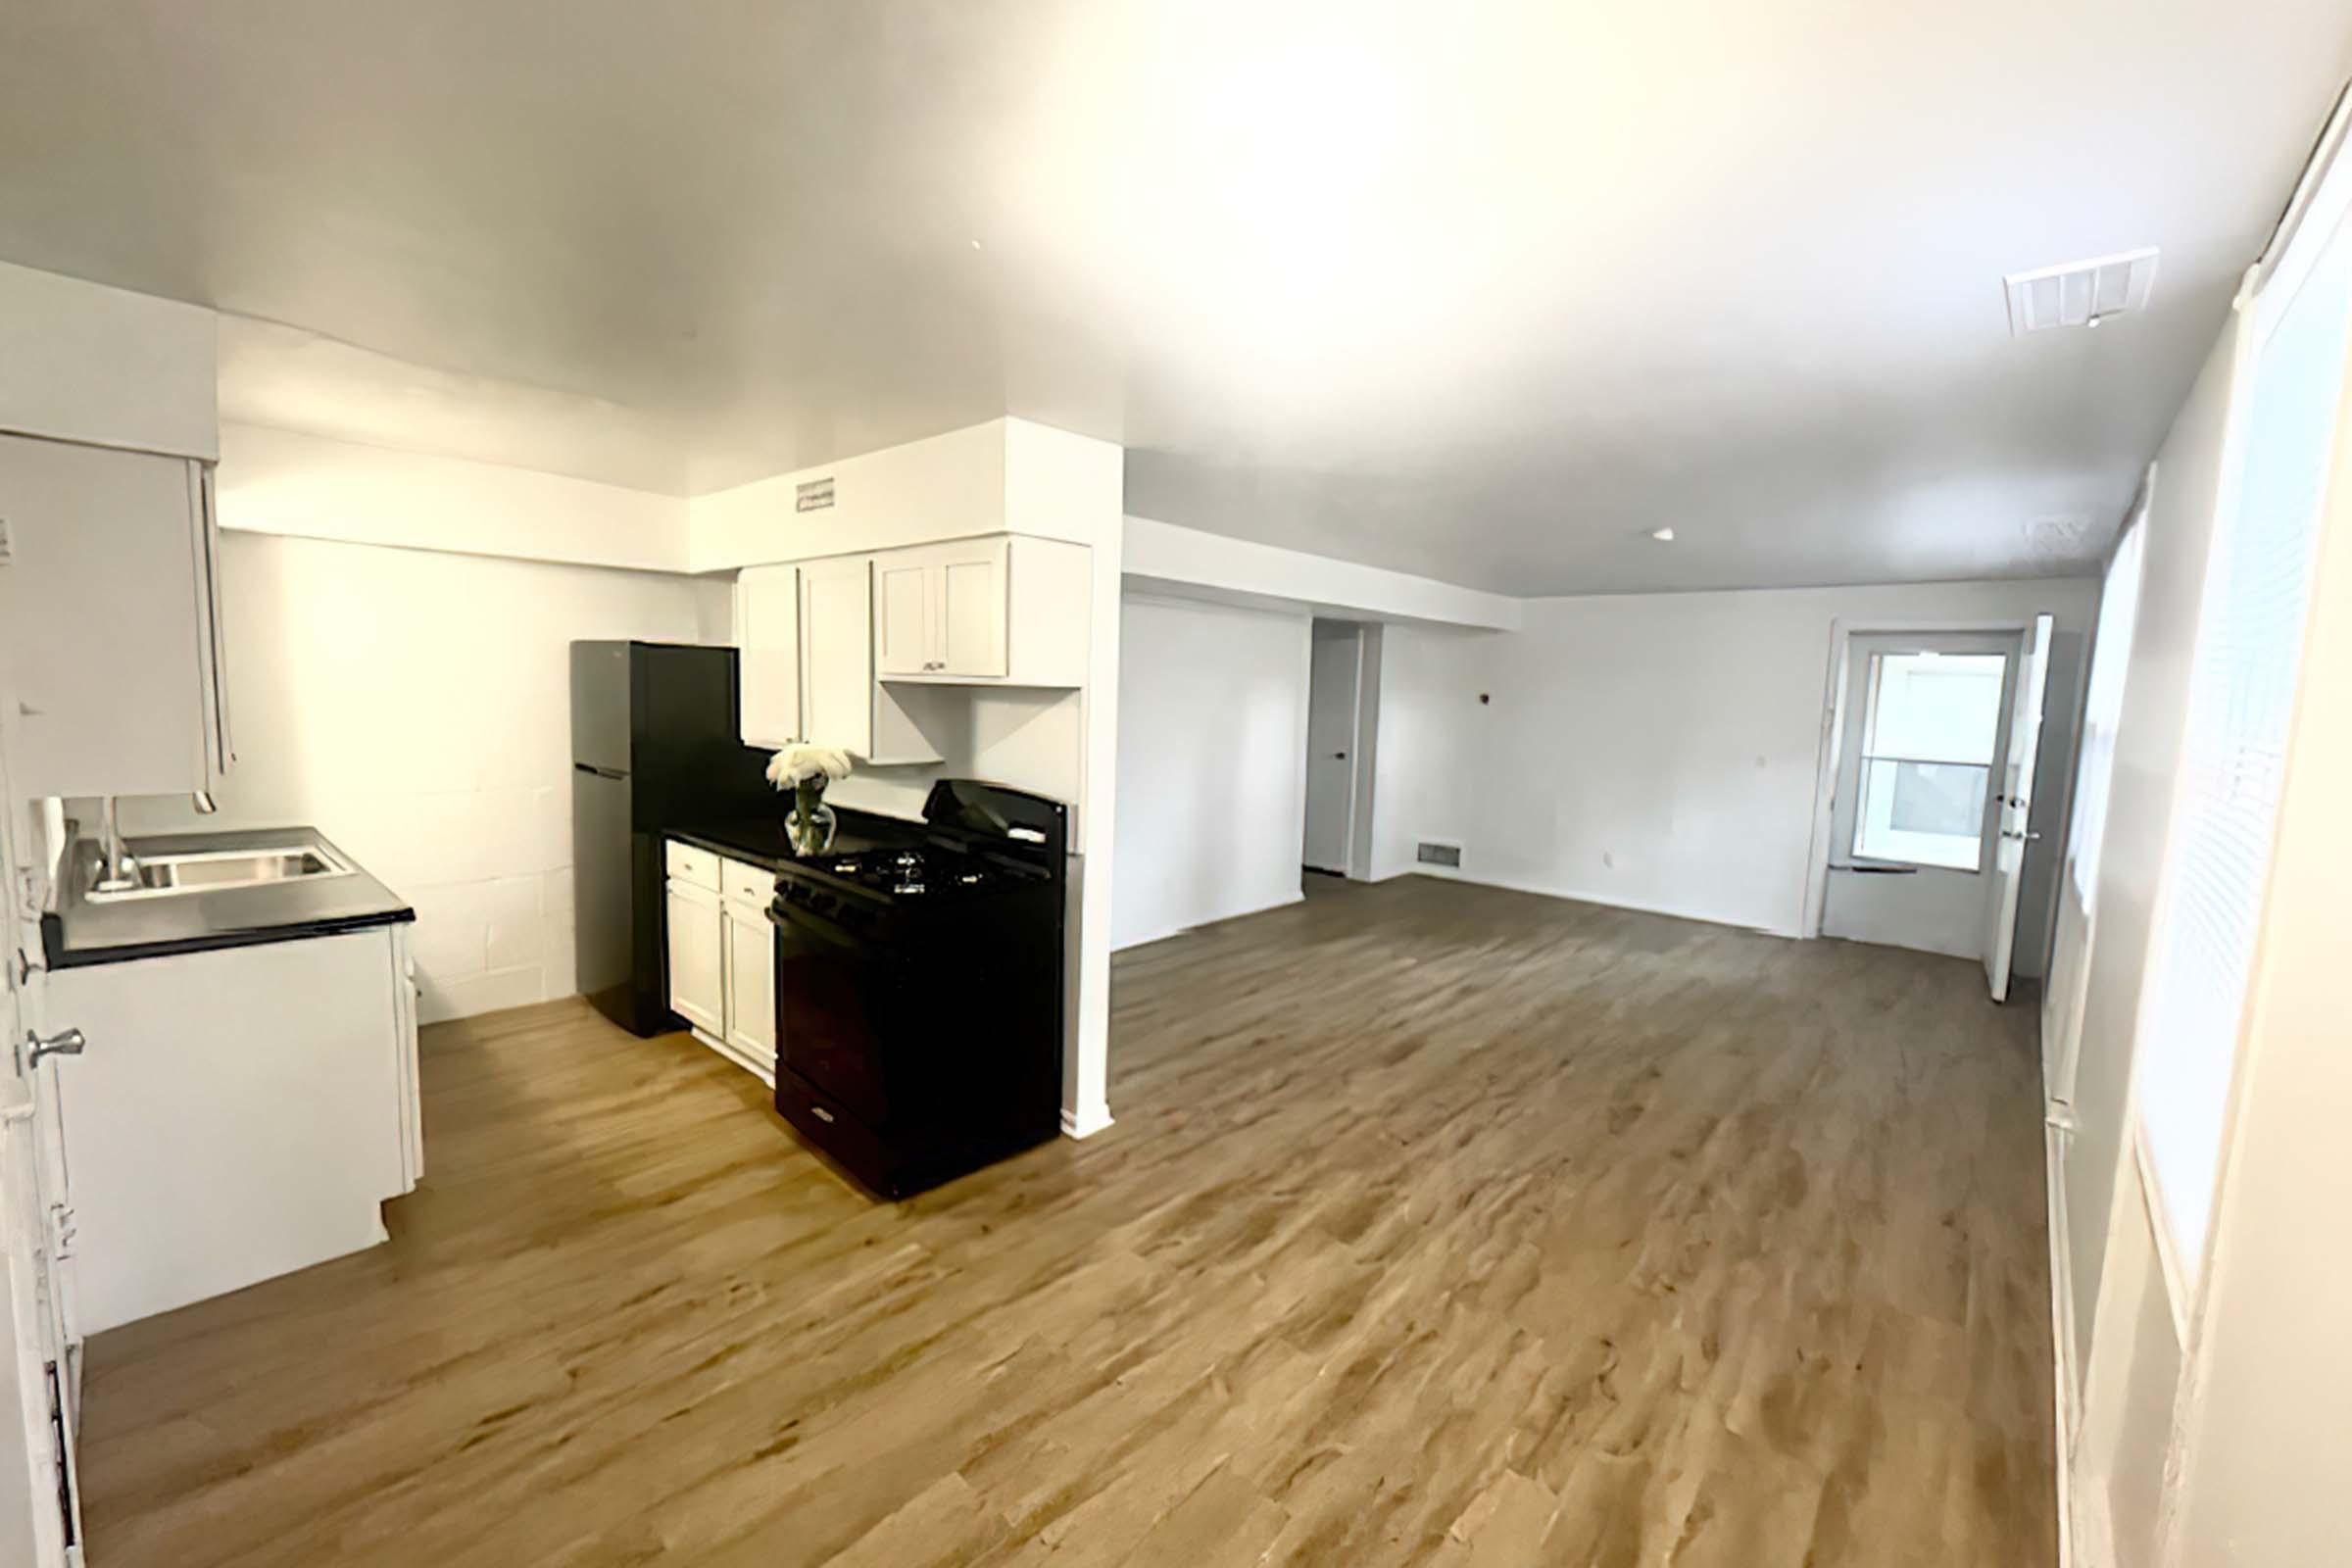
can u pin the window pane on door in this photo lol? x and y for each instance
(1930, 733)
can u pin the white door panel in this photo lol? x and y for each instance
(40, 1509)
(2017, 804)
(1335, 667)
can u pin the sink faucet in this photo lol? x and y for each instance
(118, 867)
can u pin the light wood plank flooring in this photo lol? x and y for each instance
(1440, 1225)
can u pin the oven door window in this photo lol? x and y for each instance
(831, 992)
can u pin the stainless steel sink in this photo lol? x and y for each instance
(164, 876)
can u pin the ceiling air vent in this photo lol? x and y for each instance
(2080, 293)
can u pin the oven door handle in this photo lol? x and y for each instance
(815, 926)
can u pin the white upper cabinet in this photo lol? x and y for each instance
(998, 610)
(969, 594)
(940, 609)
(843, 705)
(837, 619)
(767, 631)
(110, 598)
(903, 632)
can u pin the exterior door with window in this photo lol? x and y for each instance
(1915, 814)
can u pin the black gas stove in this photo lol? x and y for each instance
(919, 991)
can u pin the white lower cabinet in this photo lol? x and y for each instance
(723, 955)
(697, 957)
(238, 1114)
(751, 986)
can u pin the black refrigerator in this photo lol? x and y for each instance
(654, 747)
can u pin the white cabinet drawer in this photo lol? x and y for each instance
(686, 863)
(748, 884)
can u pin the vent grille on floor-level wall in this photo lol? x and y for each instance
(1432, 854)
(2080, 293)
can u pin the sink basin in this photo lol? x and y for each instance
(164, 876)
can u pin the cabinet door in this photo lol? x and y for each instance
(768, 632)
(751, 982)
(107, 605)
(968, 587)
(836, 654)
(905, 639)
(695, 941)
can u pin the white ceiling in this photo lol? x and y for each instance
(1482, 292)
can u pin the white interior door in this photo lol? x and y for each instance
(1331, 745)
(40, 1510)
(2016, 807)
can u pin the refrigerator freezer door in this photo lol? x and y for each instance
(599, 706)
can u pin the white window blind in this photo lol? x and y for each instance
(2103, 708)
(2248, 653)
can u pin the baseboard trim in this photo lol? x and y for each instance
(1586, 896)
(2063, 1363)
(1086, 1121)
(1203, 925)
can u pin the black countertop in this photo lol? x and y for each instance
(760, 840)
(78, 932)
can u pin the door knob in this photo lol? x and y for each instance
(67, 1043)
(1338, 756)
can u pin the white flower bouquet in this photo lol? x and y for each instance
(806, 770)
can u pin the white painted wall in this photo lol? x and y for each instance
(2265, 1441)
(415, 705)
(1211, 764)
(1660, 751)
(1171, 561)
(80, 362)
(281, 481)
(2148, 753)
(2222, 1448)
(1431, 770)
(1005, 475)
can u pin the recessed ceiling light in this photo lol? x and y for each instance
(1664, 536)
(975, 244)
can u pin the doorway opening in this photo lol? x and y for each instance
(1931, 778)
(1341, 723)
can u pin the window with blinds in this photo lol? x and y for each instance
(2248, 653)
(2103, 711)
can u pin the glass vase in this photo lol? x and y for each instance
(809, 825)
